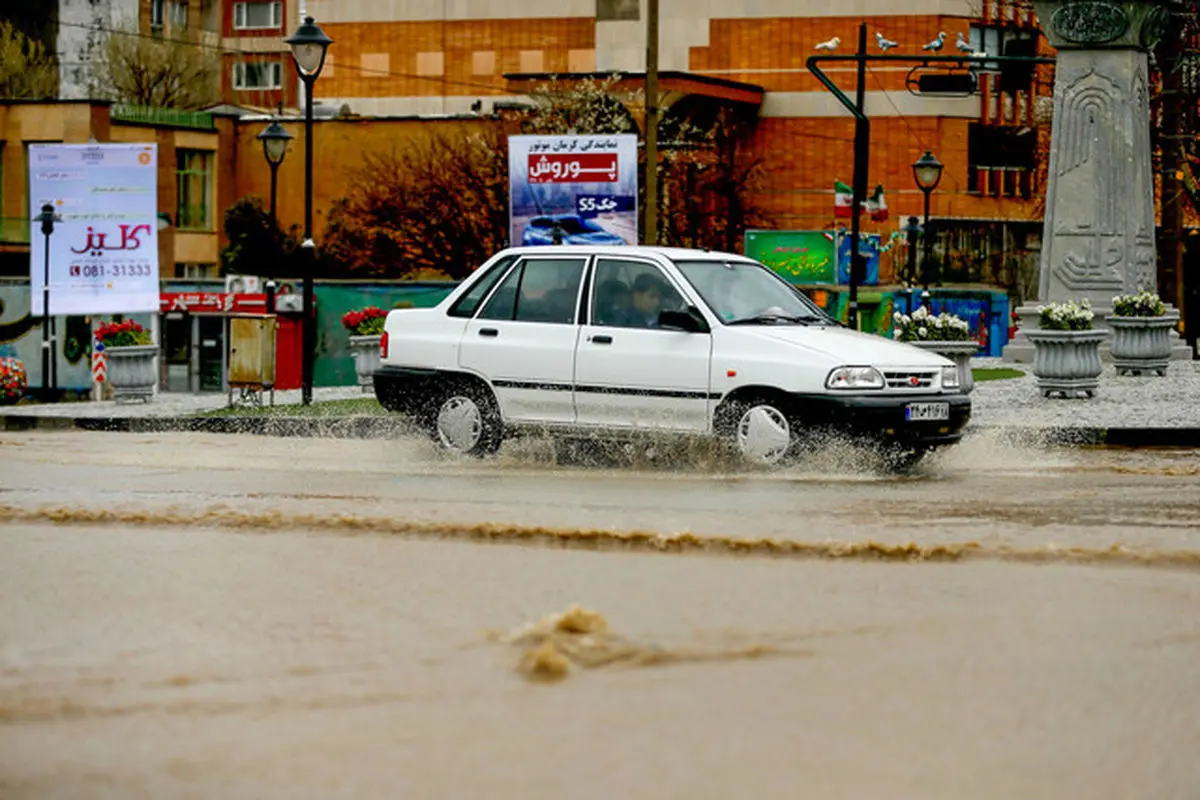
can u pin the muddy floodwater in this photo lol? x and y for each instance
(234, 616)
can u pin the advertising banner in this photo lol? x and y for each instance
(104, 248)
(869, 247)
(580, 188)
(799, 256)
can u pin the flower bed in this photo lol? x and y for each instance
(123, 334)
(921, 326)
(364, 322)
(13, 380)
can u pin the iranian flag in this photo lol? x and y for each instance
(843, 199)
(877, 205)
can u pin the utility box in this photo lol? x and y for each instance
(251, 356)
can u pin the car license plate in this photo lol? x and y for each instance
(926, 412)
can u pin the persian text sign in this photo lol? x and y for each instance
(578, 168)
(104, 248)
(573, 189)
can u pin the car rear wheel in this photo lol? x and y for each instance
(466, 421)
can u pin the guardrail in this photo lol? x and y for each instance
(151, 115)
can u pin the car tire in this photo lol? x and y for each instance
(762, 430)
(464, 419)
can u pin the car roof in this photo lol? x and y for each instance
(672, 253)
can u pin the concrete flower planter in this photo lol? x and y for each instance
(366, 359)
(1142, 344)
(131, 372)
(1067, 362)
(958, 352)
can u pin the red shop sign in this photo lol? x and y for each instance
(212, 303)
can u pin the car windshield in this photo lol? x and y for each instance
(746, 292)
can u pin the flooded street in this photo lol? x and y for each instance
(191, 615)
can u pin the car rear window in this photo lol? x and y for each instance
(466, 305)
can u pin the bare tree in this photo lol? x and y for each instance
(27, 71)
(166, 73)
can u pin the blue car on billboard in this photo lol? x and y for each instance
(575, 230)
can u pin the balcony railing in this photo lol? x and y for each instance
(14, 230)
(150, 115)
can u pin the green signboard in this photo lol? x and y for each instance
(799, 256)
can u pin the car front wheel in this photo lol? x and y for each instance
(466, 421)
(762, 431)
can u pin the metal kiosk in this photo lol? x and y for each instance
(251, 358)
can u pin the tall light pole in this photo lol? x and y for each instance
(927, 172)
(275, 140)
(650, 234)
(49, 362)
(308, 44)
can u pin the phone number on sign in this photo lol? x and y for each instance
(110, 270)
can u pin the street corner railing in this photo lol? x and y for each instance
(151, 115)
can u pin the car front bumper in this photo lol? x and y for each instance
(883, 416)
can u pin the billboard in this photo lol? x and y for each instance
(869, 245)
(580, 188)
(104, 249)
(799, 256)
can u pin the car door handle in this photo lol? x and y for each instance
(488, 332)
(602, 339)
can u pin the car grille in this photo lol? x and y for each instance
(910, 380)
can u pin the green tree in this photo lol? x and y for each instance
(257, 245)
(27, 71)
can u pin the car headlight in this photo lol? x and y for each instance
(854, 378)
(950, 378)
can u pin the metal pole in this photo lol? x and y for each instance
(270, 309)
(47, 321)
(862, 143)
(274, 182)
(650, 235)
(925, 247)
(307, 322)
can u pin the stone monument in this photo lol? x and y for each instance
(1098, 235)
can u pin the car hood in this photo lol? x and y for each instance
(845, 346)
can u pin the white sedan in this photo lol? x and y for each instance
(613, 342)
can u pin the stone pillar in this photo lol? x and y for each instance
(1098, 234)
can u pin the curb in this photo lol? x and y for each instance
(367, 427)
(362, 427)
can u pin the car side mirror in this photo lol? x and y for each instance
(691, 320)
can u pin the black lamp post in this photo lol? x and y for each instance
(275, 140)
(927, 172)
(49, 363)
(308, 44)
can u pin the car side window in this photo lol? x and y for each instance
(466, 305)
(538, 290)
(630, 294)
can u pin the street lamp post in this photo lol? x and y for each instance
(308, 44)
(275, 140)
(927, 172)
(49, 362)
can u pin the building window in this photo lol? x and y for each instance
(257, 15)
(196, 271)
(1002, 160)
(193, 173)
(616, 10)
(156, 14)
(257, 75)
(179, 14)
